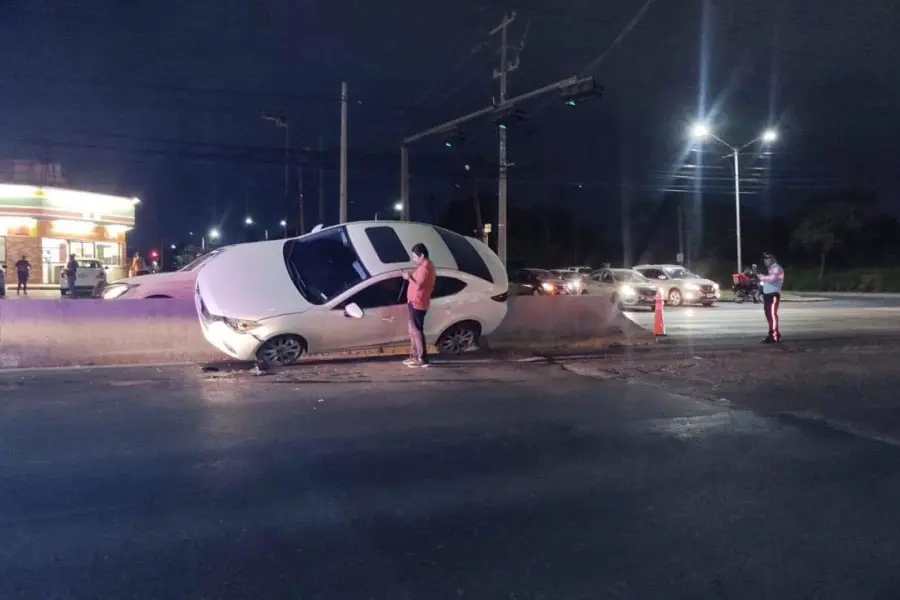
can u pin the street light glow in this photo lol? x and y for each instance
(283, 223)
(248, 221)
(769, 136)
(213, 234)
(398, 207)
(700, 131)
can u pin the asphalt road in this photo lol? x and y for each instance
(842, 316)
(469, 480)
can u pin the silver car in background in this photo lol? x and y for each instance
(624, 287)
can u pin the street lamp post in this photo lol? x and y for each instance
(398, 208)
(213, 236)
(701, 131)
(283, 224)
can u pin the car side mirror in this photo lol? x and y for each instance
(353, 311)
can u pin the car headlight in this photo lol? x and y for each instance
(547, 287)
(691, 286)
(575, 284)
(716, 285)
(627, 290)
(117, 290)
(241, 325)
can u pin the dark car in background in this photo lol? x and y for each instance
(537, 282)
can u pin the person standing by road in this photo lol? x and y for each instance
(418, 299)
(71, 274)
(23, 269)
(137, 266)
(772, 283)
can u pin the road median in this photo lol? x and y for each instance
(63, 333)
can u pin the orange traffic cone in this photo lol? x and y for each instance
(659, 328)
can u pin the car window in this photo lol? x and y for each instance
(468, 260)
(387, 244)
(629, 275)
(679, 273)
(608, 277)
(447, 286)
(323, 265)
(197, 262)
(388, 292)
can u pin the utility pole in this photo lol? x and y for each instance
(680, 258)
(321, 184)
(282, 123)
(737, 208)
(574, 90)
(501, 74)
(302, 220)
(343, 192)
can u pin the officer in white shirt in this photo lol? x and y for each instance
(772, 283)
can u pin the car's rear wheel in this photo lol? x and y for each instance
(459, 338)
(281, 351)
(675, 298)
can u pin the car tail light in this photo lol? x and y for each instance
(501, 297)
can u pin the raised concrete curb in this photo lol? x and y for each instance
(61, 333)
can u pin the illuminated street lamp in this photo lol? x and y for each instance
(213, 236)
(398, 208)
(248, 221)
(283, 224)
(702, 131)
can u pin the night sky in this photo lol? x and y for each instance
(163, 99)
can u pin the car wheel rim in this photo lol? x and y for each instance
(457, 342)
(675, 298)
(282, 351)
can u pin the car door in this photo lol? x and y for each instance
(384, 319)
(602, 283)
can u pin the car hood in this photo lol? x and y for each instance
(640, 286)
(699, 281)
(155, 277)
(250, 281)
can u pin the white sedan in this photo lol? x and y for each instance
(341, 288)
(177, 284)
(89, 278)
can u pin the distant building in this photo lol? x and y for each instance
(46, 222)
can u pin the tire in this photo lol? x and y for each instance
(707, 304)
(583, 292)
(281, 351)
(674, 298)
(739, 297)
(460, 338)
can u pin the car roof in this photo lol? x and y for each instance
(658, 266)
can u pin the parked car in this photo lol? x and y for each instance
(538, 282)
(580, 269)
(176, 284)
(574, 280)
(90, 278)
(341, 288)
(680, 286)
(624, 287)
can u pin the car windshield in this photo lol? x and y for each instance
(679, 273)
(197, 262)
(629, 276)
(324, 265)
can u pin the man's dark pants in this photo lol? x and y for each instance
(417, 332)
(23, 283)
(771, 303)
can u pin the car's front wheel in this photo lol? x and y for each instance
(281, 351)
(675, 297)
(459, 338)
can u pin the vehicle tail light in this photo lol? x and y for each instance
(501, 297)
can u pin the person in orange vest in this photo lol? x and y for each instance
(137, 266)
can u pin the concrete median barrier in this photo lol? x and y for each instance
(59, 333)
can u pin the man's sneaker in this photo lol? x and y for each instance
(409, 361)
(769, 340)
(418, 363)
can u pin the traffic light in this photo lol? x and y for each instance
(581, 91)
(154, 254)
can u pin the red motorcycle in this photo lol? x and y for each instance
(745, 288)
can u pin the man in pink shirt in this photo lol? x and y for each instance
(418, 299)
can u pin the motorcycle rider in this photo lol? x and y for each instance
(772, 283)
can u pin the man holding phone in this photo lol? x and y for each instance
(418, 298)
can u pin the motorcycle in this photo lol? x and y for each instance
(745, 288)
